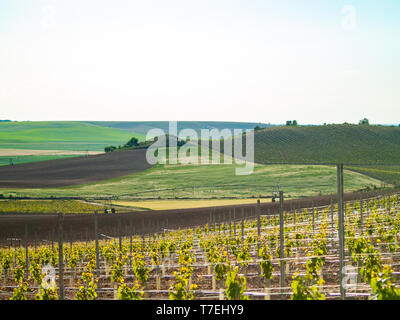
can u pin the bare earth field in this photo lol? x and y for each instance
(73, 171)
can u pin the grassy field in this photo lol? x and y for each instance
(184, 204)
(211, 181)
(91, 135)
(144, 126)
(5, 161)
(389, 174)
(61, 135)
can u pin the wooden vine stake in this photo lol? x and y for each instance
(230, 224)
(115, 287)
(313, 217)
(221, 289)
(234, 222)
(213, 280)
(158, 278)
(267, 289)
(294, 219)
(242, 224)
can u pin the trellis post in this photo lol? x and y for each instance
(361, 214)
(26, 250)
(258, 213)
(331, 212)
(341, 227)
(60, 257)
(131, 242)
(119, 236)
(96, 235)
(281, 241)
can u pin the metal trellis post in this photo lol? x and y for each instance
(60, 257)
(281, 241)
(341, 228)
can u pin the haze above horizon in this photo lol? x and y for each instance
(242, 61)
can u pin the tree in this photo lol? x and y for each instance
(291, 123)
(133, 142)
(109, 149)
(364, 121)
(257, 128)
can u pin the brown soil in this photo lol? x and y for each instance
(73, 171)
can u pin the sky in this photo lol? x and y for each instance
(208, 60)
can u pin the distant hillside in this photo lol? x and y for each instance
(348, 144)
(353, 145)
(60, 135)
(144, 126)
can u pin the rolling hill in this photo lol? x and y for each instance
(92, 135)
(60, 135)
(169, 181)
(371, 150)
(348, 144)
(143, 127)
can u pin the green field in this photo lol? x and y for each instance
(388, 174)
(211, 181)
(144, 126)
(5, 161)
(61, 135)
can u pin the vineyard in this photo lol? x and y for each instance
(238, 259)
(350, 144)
(48, 206)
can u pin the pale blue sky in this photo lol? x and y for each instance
(248, 60)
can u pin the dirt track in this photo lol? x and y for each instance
(81, 227)
(73, 171)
